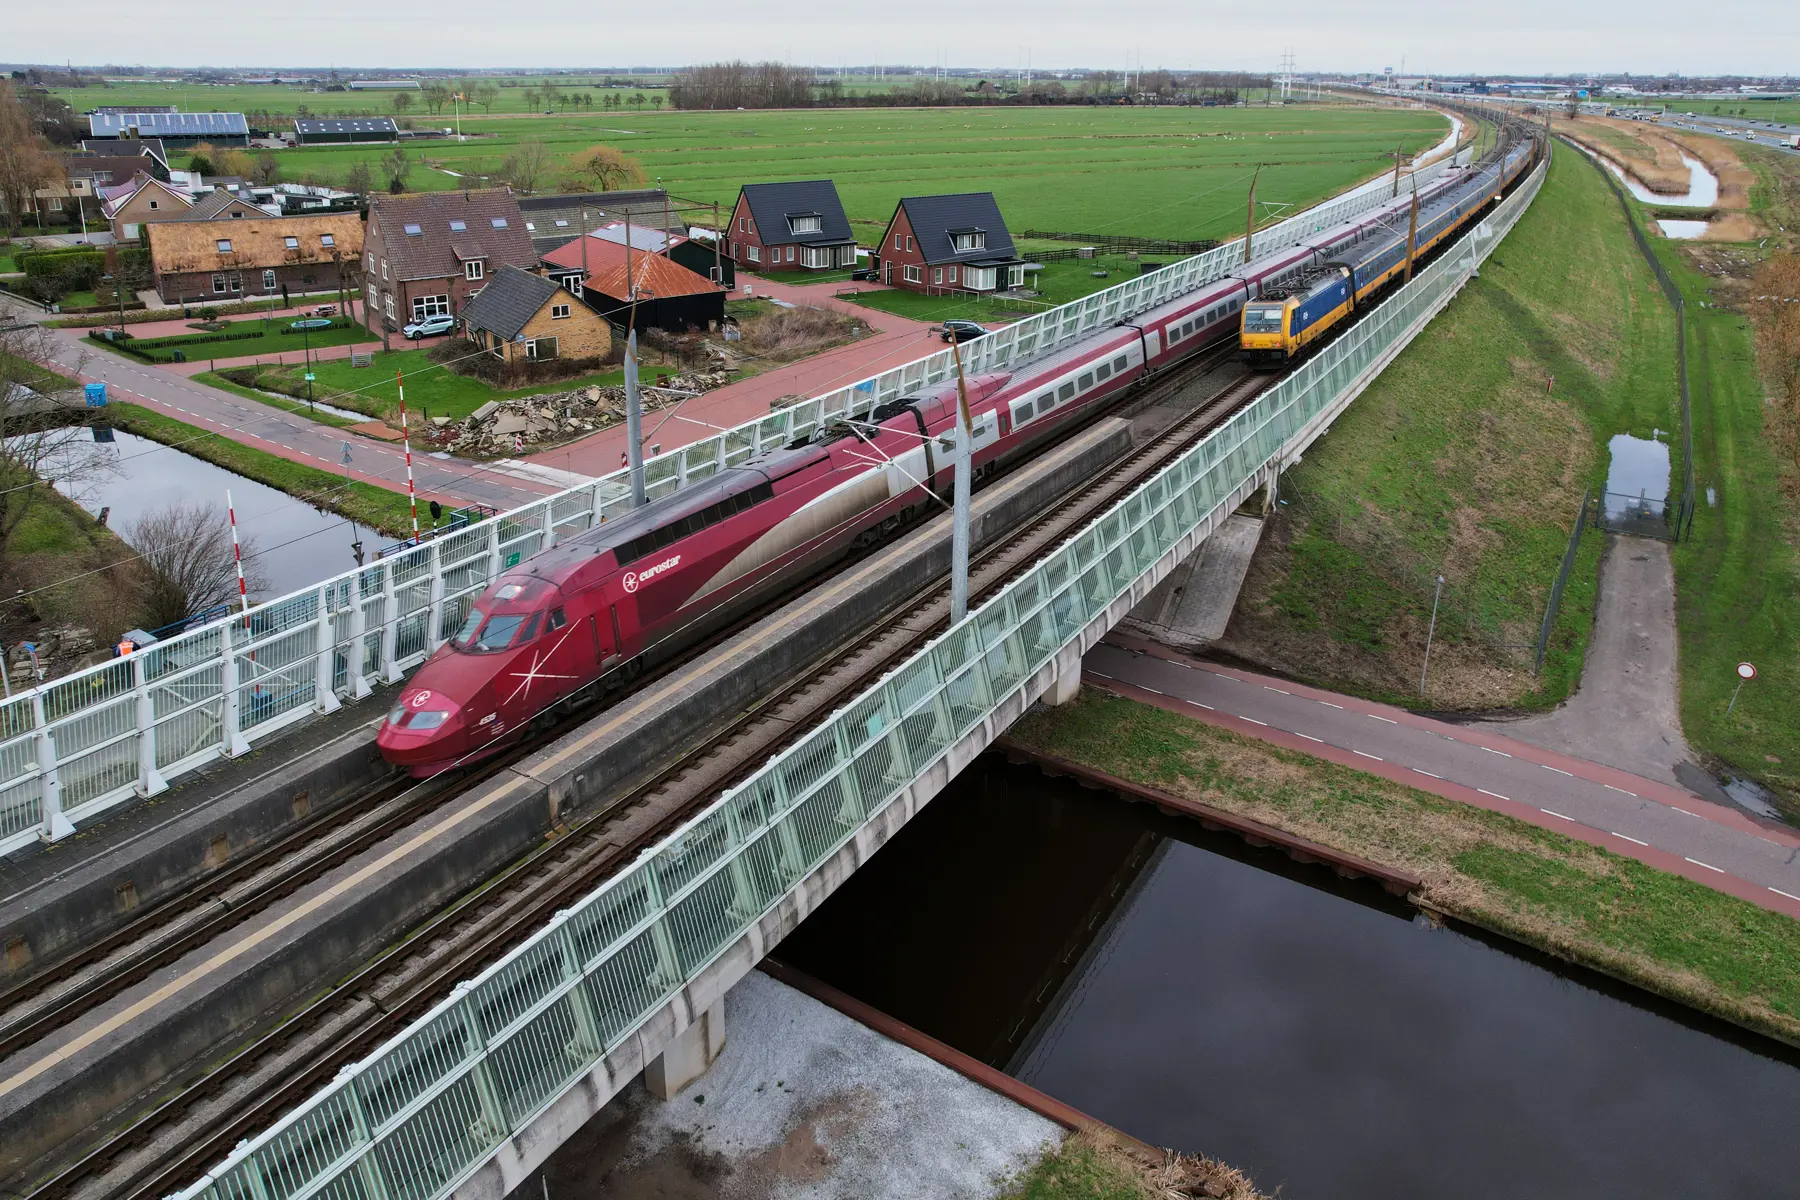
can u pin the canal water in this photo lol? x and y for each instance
(1208, 996)
(294, 543)
(1703, 186)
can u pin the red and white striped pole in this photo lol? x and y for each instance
(406, 443)
(237, 554)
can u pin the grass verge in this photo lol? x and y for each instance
(1667, 934)
(297, 407)
(1468, 458)
(365, 503)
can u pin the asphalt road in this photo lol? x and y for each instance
(502, 485)
(1661, 825)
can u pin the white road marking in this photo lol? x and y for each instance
(1098, 674)
(1309, 737)
(1197, 704)
(1227, 678)
(1609, 787)
(1708, 866)
(1501, 753)
(1254, 721)
(1632, 840)
(1151, 690)
(1553, 813)
(1495, 795)
(1789, 895)
(1267, 688)
(1427, 774)
(1558, 770)
(1679, 809)
(1329, 704)
(1366, 754)
(1373, 717)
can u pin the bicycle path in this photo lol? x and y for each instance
(1663, 826)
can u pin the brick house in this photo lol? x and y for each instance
(790, 227)
(141, 202)
(956, 243)
(431, 252)
(196, 262)
(608, 279)
(520, 317)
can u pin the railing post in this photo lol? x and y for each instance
(150, 780)
(56, 826)
(231, 731)
(324, 676)
(390, 625)
(479, 1071)
(549, 524)
(434, 609)
(359, 631)
(493, 545)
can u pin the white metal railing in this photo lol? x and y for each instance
(430, 1105)
(77, 746)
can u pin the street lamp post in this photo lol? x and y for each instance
(306, 350)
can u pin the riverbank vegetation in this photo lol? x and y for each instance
(1468, 458)
(1669, 935)
(1096, 1165)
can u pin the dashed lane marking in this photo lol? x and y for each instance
(1551, 812)
(1151, 690)
(1609, 787)
(1197, 704)
(1495, 795)
(1680, 809)
(1329, 704)
(1267, 688)
(1427, 774)
(1254, 721)
(1626, 838)
(1708, 866)
(1501, 753)
(1098, 674)
(1309, 737)
(1373, 717)
(1789, 895)
(1558, 770)
(1366, 754)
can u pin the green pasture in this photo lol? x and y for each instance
(1171, 172)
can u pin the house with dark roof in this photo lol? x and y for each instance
(556, 220)
(313, 131)
(790, 227)
(520, 317)
(956, 243)
(609, 276)
(173, 129)
(428, 253)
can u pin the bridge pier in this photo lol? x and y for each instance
(1065, 687)
(689, 1056)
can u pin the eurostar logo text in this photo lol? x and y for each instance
(634, 578)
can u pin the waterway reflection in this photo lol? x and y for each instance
(1201, 994)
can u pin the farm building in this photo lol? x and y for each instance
(429, 253)
(202, 261)
(520, 317)
(174, 129)
(382, 85)
(700, 257)
(669, 296)
(956, 243)
(790, 227)
(345, 129)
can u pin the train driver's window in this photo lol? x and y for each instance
(557, 620)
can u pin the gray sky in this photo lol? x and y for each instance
(1519, 36)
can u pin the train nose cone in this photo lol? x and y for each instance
(423, 732)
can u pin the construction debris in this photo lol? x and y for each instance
(502, 425)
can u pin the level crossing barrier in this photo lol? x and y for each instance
(115, 733)
(435, 1102)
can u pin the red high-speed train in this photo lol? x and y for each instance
(599, 606)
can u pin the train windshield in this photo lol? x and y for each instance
(509, 615)
(1262, 319)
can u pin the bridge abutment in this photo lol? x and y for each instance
(689, 1055)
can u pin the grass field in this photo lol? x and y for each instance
(273, 337)
(1671, 935)
(1463, 460)
(1158, 172)
(1748, 110)
(1059, 282)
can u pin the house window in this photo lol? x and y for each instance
(914, 274)
(1015, 276)
(292, 243)
(268, 281)
(235, 215)
(809, 224)
(325, 239)
(387, 305)
(559, 312)
(472, 269)
(790, 254)
(218, 284)
(897, 245)
(755, 253)
(573, 283)
(153, 204)
(973, 239)
(224, 245)
(384, 273)
(816, 256)
(369, 294)
(458, 226)
(743, 224)
(499, 222)
(430, 306)
(952, 274)
(562, 223)
(909, 243)
(369, 262)
(937, 274)
(540, 349)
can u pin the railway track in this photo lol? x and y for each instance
(175, 1141)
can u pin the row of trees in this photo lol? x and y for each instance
(776, 85)
(742, 85)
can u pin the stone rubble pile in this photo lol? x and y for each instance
(508, 425)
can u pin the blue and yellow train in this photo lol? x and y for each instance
(1282, 324)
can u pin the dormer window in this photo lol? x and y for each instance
(969, 239)
(806, 223)
(224, 245)
(413, 231)
(472, 269)
(292, 243)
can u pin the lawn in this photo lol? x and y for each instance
(1468, 458)
(270, 337)
(1154, 172)
(431, 390)
(1058, 282)
(1659, 931)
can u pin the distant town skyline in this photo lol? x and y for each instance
(1760, 37)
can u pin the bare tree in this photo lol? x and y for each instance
(402, 101)
(360, 179)
(527, 165)
(25, 161)
(187, 562)
(43, 434)
(603, 168)
(267, 169)
(397, 167)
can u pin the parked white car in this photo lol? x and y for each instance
(430, 327)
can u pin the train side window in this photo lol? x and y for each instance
(1174, 334)
(1045, 401)
(1065, 391)
(557, 620)
(1086, 381)
(1103, 371)
(1021, 412)
(1120, 363)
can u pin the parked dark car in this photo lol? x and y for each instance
(961, 331)
(864, 275)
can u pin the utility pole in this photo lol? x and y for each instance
(959, 530)
(634, 421)
(718, 248)
(582, 225)
(1412, 234)
(1396, 192)
(1250, 214)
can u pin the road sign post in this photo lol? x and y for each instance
(1745, 673)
